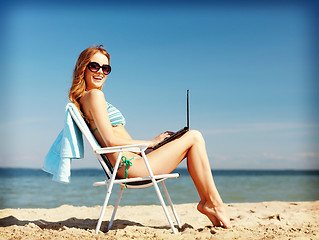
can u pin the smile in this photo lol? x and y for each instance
(98, 78)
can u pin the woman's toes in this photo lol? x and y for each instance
(201, 208)
(217, 214)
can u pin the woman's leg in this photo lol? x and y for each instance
(166, 159)
(200, 171)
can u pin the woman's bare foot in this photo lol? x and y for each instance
(216, 214)
(213, 219)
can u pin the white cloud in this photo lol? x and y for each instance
(296, 157)
(221, 157)
(266, 160)
(260, 127)
(304, 160)
(309, 155)
(273, 156)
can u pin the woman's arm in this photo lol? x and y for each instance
(96, 105)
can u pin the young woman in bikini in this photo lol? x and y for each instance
(107, 125)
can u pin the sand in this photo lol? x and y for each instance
(265, 220)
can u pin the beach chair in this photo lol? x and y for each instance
(137, 183)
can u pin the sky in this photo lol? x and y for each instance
(250, 69)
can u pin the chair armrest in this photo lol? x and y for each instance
(129, 148)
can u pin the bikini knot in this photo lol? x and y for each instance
(127, 163)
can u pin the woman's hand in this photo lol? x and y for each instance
(160, 138)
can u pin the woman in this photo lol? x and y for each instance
(107, 125)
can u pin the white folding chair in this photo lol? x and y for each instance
(137, 182)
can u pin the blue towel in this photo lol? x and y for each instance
(67, 146)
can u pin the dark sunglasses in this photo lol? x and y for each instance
(95, 67)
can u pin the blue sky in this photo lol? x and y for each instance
(250, 71)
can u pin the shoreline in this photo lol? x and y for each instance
(263, 220)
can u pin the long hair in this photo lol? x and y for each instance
(78, 84)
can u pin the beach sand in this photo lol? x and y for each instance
(265, 220)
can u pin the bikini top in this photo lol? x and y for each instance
(115, 116)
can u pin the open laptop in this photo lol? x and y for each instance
(178, 133)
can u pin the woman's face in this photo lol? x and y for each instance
(95, 80)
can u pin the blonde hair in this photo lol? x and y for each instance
(78, 84)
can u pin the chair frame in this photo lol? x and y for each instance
(137, 182)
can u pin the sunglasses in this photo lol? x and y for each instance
(95, 67)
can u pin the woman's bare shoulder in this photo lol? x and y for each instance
(93, 99)
(94, 96)
(94, 93)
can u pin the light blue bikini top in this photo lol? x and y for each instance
(116, 117)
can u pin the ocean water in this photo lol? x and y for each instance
(33, 188)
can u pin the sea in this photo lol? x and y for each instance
(34, 188)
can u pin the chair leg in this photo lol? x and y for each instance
(109, 191)
(171, 204)
(115, 208)
(164, 206)
(158, 192)
(107, 197)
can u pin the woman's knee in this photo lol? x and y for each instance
(196, 136)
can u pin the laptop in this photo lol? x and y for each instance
(178, 133)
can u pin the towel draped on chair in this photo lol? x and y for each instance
(67, 146)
